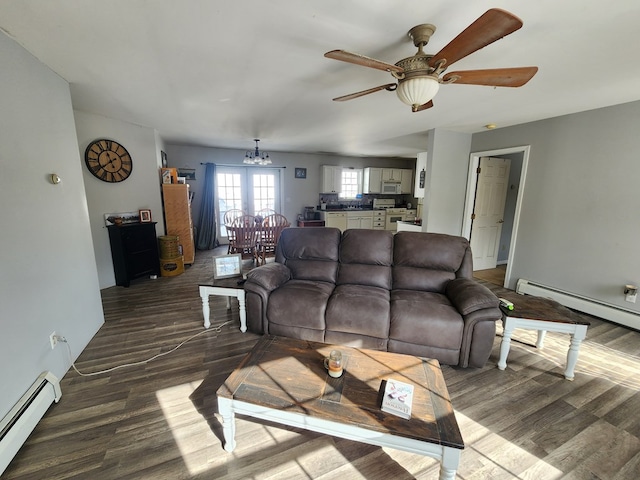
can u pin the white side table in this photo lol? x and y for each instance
(543, 315)
(207, 290)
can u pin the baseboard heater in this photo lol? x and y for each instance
(18, 424)
(591, 306)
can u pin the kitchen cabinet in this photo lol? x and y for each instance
(372, 182)
(335, 220)
(177, 217)
(331, 179)
(134, 251)
(403, 176)
(359, 220)
(406, 182)
(391, 174)
(379, 218)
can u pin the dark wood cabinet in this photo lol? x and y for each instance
(134, 250)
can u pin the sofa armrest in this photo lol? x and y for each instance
(269, 276)
(469, 296)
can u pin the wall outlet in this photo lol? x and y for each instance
(53, 339)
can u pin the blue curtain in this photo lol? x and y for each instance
(207, 238)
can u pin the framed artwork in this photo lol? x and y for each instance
(164, 159)
(301, 172)
(145, 216)
(188, 173)
(226, 266)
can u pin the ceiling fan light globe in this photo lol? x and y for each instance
(417, 91)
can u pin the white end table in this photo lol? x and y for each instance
(544, 315)
(207, 290)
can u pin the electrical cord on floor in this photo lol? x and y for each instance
(213, 328)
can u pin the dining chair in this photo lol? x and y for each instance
(228, 218)
(265, 212)
(244, 235)
(272, 227)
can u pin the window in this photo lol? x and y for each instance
(351, 183)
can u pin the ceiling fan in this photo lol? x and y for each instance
(419, 77)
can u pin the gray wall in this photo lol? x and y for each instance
(296, 192)
(48, 279)
(579, 225)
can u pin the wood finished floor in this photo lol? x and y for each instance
(159, 420)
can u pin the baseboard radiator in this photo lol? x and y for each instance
(591, 306)
(18, 424)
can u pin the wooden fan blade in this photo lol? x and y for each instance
(491, 26)
(358, 59)
(424, 106)
(388, 86)
(495, 77)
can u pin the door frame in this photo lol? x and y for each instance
(472, 183)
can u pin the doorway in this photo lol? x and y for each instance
(249, 189)
(519, 157)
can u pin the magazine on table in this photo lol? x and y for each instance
(397, 398)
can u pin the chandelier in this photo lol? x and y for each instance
(257, 157)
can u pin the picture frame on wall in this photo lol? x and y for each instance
(163, 155)
(226, 266)
(187, 173)
(301, 172)
(145, 216)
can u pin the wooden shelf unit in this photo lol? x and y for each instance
(177, 217)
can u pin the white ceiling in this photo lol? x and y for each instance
(220, 73)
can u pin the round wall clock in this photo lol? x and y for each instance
(108, 160)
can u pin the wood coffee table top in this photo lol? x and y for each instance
(287, 374)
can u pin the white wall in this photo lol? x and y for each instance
(140, 191)
(48, 278)
(297, 192)
(446, 177)
(579, 226)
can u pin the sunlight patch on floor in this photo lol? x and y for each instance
(190, 431)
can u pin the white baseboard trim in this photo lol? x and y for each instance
(597, 308)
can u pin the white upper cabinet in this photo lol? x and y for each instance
(392, 175)
(372, 180)
(403, 176)
(331, 179)
(406, 182)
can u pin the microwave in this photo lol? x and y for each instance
(391, 188)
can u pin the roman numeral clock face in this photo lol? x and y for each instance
(108, 161)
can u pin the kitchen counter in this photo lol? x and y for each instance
(408, 227)
(311, 223)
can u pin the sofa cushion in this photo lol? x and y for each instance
(428, 261)
(366, 257)
(359, 309)
(425, 318)
(299, 303)
(310, 253)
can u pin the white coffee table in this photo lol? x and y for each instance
(263, 386)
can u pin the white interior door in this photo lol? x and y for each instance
(248, 189)
(488, 211)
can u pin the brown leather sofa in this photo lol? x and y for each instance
(410, 293)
